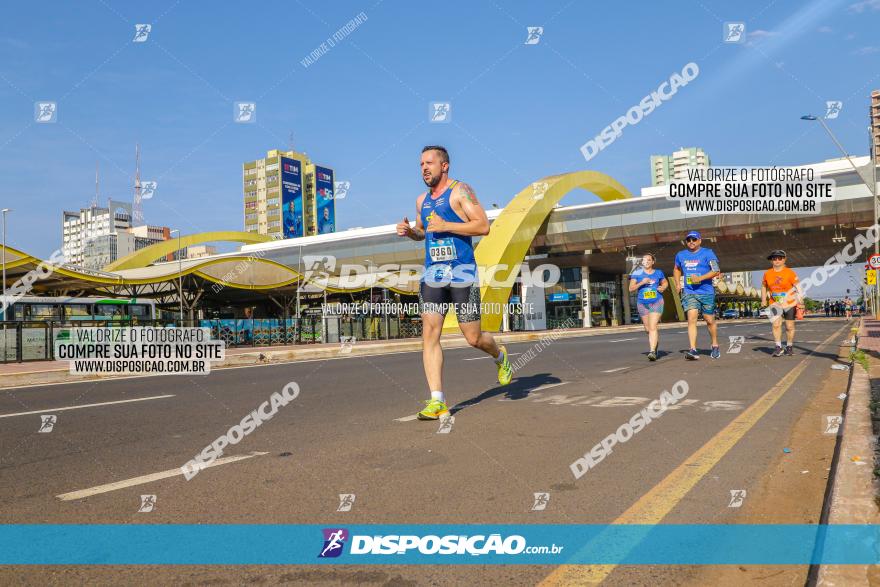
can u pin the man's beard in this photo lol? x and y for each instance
(431, 183)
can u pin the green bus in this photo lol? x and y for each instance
(71, 309)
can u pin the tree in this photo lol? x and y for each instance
(810, 304)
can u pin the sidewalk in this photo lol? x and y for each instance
(854, 489)
(44, 372)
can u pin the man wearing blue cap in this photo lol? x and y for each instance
(698, 266)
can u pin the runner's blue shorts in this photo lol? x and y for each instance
(703, 302)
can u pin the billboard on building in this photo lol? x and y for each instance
(324, 200)
(291, 198)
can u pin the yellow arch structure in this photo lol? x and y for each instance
(515, 228)
(147, 255)
(225, 271)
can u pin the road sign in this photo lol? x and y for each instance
(874, 261)
(871, 276)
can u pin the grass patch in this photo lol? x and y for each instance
(861, 358)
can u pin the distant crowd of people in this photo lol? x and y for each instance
(842, 307)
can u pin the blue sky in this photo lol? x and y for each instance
(519, 112)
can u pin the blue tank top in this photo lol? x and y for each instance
(448, 257)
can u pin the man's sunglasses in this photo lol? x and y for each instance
(777, 258)
(691, 239)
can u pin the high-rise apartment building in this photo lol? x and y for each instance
(288, 196)
(665, 168)
(875, 125)
(79, 228)
(94, 237)
(661, 169)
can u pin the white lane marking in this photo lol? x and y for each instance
(124, 401)
(481, 358)
(548, 386)
(623, 339)
(407, 418)
(147, 478)
(613, 370)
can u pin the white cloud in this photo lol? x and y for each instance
(825, 29)
(864, 5)
(759, 35)
(867, 50)
(850, 37)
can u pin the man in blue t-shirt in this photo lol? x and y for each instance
(694, 269)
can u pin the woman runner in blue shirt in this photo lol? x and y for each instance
(650, 283)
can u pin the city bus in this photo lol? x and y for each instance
(70, 309)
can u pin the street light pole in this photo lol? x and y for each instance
(5, 210)
(839, 146)
(179, 275)
(872, 188)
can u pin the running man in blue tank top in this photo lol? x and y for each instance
(448, 217)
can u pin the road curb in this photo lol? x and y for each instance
(853, 487)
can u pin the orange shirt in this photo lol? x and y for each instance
(780, 283)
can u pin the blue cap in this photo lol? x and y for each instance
(693, 234)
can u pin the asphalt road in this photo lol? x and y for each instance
(348, 433)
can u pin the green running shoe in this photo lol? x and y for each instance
(434, 408)
(505, 372)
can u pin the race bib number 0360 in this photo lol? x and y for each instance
(442, 249)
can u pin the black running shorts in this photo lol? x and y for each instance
(463, 298)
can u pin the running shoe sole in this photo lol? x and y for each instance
(435, 415)
(505, 371)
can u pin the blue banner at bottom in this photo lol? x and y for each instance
(148, 544)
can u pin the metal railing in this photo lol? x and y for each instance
(34, 340)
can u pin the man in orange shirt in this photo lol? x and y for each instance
(780, 287)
